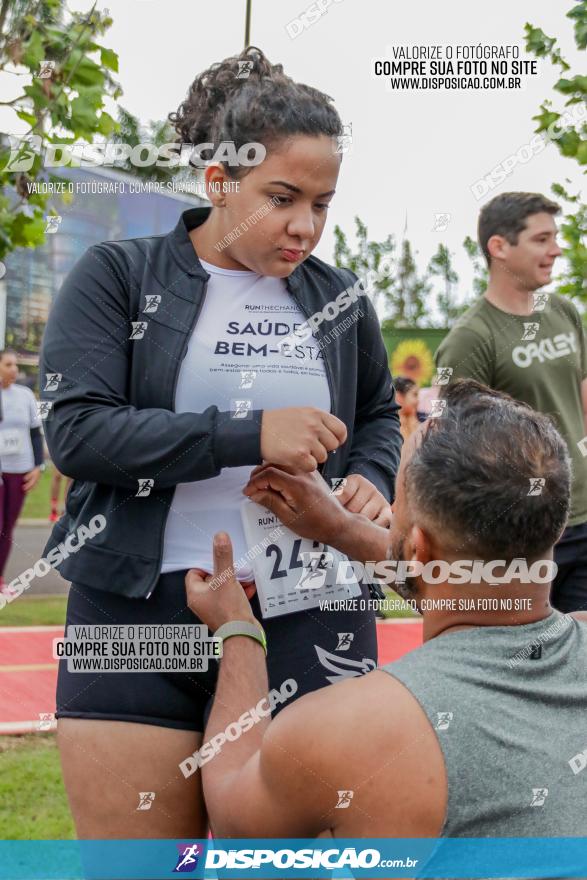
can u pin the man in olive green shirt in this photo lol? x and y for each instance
(531, 345)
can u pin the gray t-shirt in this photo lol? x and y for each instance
(508, 705)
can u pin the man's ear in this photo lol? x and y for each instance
(497, 247)
(420, 546)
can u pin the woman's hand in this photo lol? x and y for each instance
(359, 495)
(300, 438)
(30, 479)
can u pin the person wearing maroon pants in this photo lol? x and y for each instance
(21, 453)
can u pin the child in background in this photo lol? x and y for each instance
(407, 396)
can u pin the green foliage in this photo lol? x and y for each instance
(63, 108)
(365, 262)
(130, 131)
(572, 143)
(400, 293)
(441, 266)
(573, 231)
(409, 291)
(481, 275)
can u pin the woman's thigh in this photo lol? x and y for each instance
(123, 733)
(111, 768)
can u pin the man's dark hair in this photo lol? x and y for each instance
(266, 107)
(506, 215)
(7, 351)
(474, 468)
(403, 384)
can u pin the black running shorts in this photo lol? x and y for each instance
(314, 647)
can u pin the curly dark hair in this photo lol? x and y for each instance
(265, 107)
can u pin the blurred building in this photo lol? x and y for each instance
(34, 275)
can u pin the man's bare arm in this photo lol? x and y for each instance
(252, 781)
(361, 540)
(305, 504)
(365, 738)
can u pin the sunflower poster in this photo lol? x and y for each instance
(411, 352)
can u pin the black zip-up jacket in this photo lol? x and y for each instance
(111, 422)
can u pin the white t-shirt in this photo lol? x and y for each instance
(19, 415)
(243, 317)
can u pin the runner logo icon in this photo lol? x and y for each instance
(187, 860)
(316, 564)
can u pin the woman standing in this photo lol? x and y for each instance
(184, 362)
(21, 453)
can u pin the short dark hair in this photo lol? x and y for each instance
(506, 215)
(471, 474)
(403, 384)
(7, 351)
(266, 107)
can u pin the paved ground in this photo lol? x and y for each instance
(27, 548)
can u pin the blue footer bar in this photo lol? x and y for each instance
(291, 858)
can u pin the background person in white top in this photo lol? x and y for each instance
(21, 452)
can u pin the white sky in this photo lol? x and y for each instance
(414, 152)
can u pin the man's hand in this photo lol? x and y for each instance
(300, 437)
(30, 479)
(359, 495)
(218, 598)
(302, 502)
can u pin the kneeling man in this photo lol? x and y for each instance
(463, 737)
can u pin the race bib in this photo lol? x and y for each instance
(292, 573)
(11, 441)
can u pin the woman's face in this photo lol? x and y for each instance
(8, 369)
(300, 175)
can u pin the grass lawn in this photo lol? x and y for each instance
(50, 611)
(33, 804)
(34, 611)
(395, 613)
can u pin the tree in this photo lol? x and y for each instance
(481, 274)
(393, 281)
(132, 132)
(409, 291)
(366, 261)
(572, 141)
(441, 266)
(568, 130)
(573, 231)
(61, 105)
